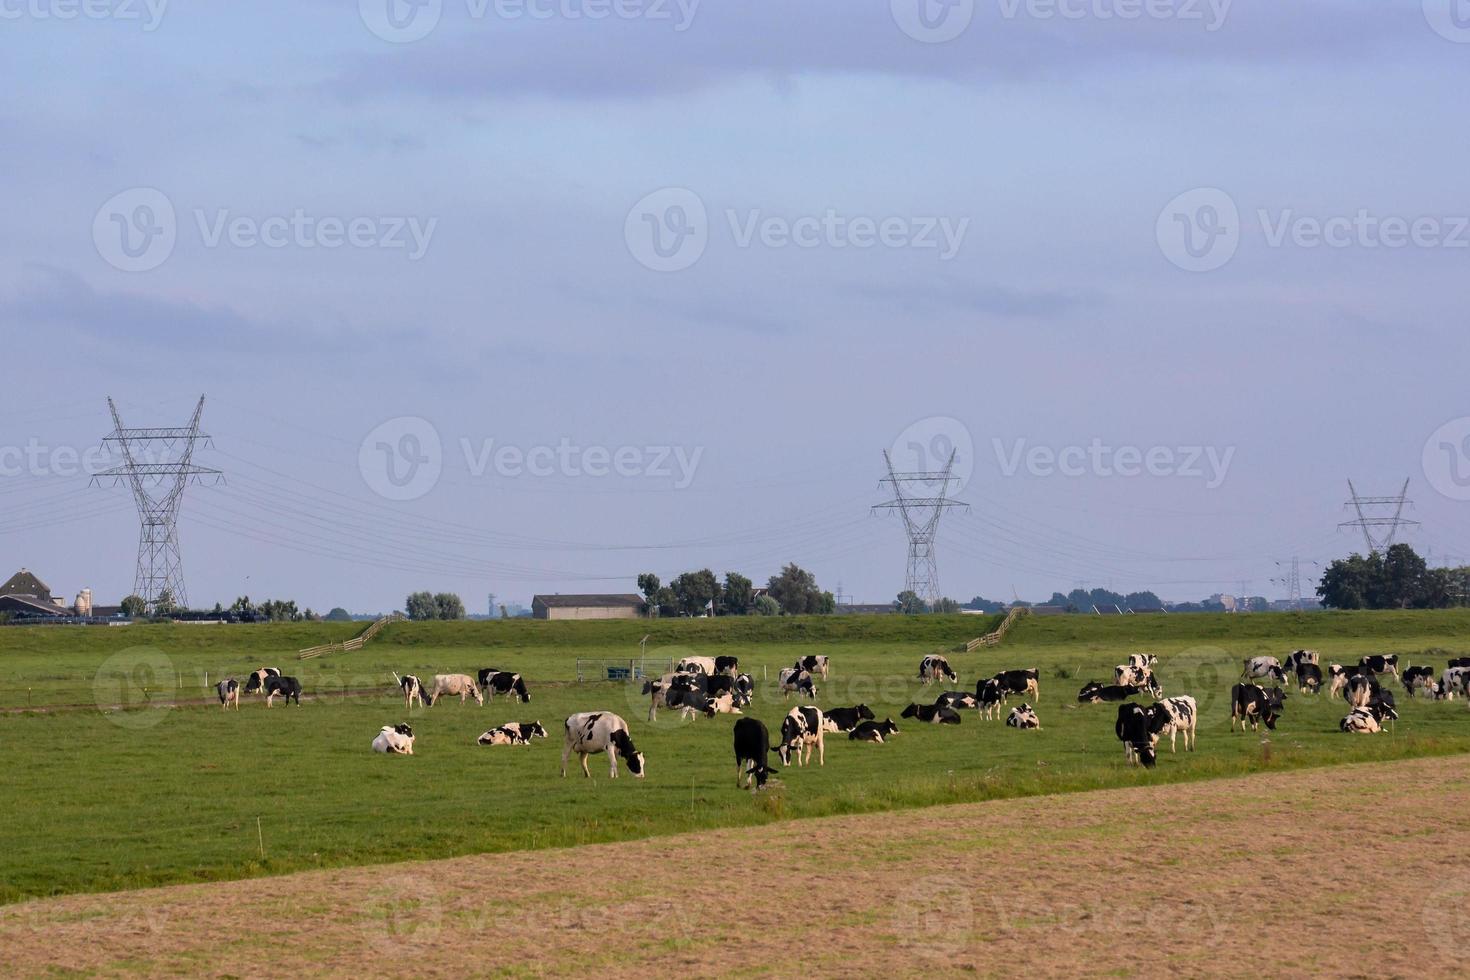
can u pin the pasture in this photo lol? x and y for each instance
(109, 799)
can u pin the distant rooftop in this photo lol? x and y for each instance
(586, 601)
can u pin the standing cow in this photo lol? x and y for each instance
(229, 693)
(255, 683)
(752, 754)
(286, 687)
(453, 684)
(505, 683)
(412, 690)
(801, 729)
(1179, 714)
(934, 667)
(590, 732)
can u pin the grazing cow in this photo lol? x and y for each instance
(1309, 678)
(934, 714)
(1360, 690)
(453, 684)
(590, 732)
(817, 664)
(874, 731)
(412, 689)
(394, 740)
(696, 665)
(1417, 679)
(1383, 707)
(1023, 717)
(287, 687)
(933, 667)
(991, 695)
(1252, 704)
(727, 665)
(513, 733)
(1297, 659)
(1142, 660)
(1360, 721)
(1025, 681)
(957, 699)
(1134, 729)
(256, 681)
(682, 692)
(1175, 715)
(801, 729)
(1126, 676)
(229, 692)
(752, 754)
(846, 719)
(1268, 668)
(1454, 680)
(505, 683)
(1095, 693)
(793, 681)
(1338, 677)
(1378, 664)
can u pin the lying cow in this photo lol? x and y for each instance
(801, 730)
(590, 732)
(256, 681)
(1095, 693)
(752, 754)
(1023, 717)
(1252, 704)
(1025, 681)
(793, 681)
(394, 740)
(846, 719)
(462, 685)
(874, 731)
(1263, 668)
(229, 693)
(505, 683)
(412, 689)
(286, 687)
(1360, 721)
(813, 664)
(1134, 729)
(513, 733)
(933, 714)
(1175, 715)
(934, 667)
(1418, 680)
(959, 700)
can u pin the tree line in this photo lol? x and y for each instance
(791, 592)
(1396, 579)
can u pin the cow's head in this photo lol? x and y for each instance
(912, 711)
(624, 743)
(1089, 691)
(534, 730)
(1147, 757)
(520, 688)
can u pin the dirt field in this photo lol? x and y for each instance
(1351, 871)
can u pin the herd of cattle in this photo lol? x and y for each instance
(716, 685)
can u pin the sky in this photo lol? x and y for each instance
(520, 296)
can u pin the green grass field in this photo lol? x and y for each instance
(99, 800)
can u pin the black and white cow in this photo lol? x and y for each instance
(991, 695)
(1360, 721)
(1263, 668)
(412, 690)
(934, 667)
(286, 687)
(1178, 714)
(745, 687)
(813, 664)
(752, 754)
(1024, 681)
(1297, 659)
(505, 683)
(1309, 678)
(1360, 689)
(1379, 664)
(394, 740)
(229, 693)
(1095, 693)
(684, 693)
(462, 685)
(728, 666)
(959, 700)
(793, 681)
(1418, 679)
(256, 681)
(590, 732)
(1454, 680)
(1023, 717)
(934, 714)
(1252, 704)
(1141, 660)
(874, 731)
(1134, 730)
(1459, 662)
(846, 719)
(1337, 678)
(696, 665)
(726, 684)
(513, 733)
(1143, 677)
(801, 730)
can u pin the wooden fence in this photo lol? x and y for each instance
(993, 639)
(356, 643)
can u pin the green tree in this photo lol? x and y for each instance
(339, 615)
(420, 606)
(908, 602)
(738, 595)
(448, 606)
(796, 591)
(164, 604)
(946, 606)
(694, 591)
(648, 584)
(134, 607)
(766, 606)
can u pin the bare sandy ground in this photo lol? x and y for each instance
(1352, 871)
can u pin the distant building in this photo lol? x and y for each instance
(861, 609)
(27, 595)
(626, 606)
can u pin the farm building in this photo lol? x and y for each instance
(627, 606)
(26, 595)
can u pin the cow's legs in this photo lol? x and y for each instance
(583, 756)
(612, 762)
(566, 753)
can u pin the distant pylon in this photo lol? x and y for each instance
(1367, 521)
(158, 490)
(921, 521)
(1293, 582)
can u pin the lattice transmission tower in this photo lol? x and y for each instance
(157, 464)
(1368, 521)
(921, 520)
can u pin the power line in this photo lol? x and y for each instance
(921, 521)
(1367, 521)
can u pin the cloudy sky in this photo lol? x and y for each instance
(521, 296)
